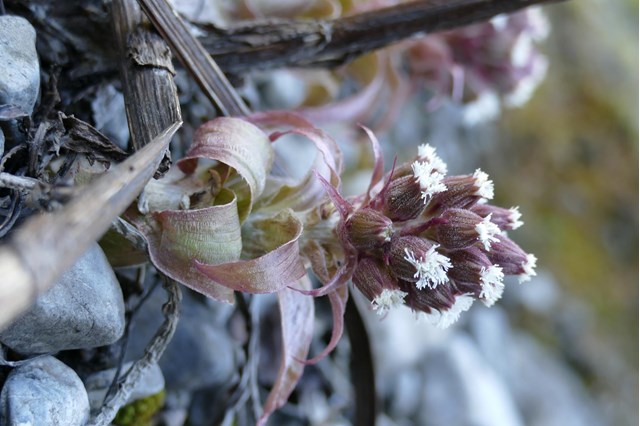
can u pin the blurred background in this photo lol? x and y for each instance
(563, 348)
(569, 159)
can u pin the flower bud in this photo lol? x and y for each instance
(427, 299)
(512, 259)
(462, 192)
(463, 228)
(506, 219)
(473, 272)
(368, 229)
(443, 304)
(403, 199)
(375, 281)
(416, 260)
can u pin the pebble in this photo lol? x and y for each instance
(84, 309)
(43, 392)
(20, 76)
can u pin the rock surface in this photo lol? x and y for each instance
(84, 309)
(110, 116)
(43, 392)
(98, 383)
(201, 353)
(461, 388)
(20, 76)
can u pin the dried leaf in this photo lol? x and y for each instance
(269, 273)
(238, 144)
(178, 237)
(296, 318)
(85, 139)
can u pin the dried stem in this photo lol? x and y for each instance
(279, 43)
(20, 183)
(151, 356)
(194, 57)
(151, 96)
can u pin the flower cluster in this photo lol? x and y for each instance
(432, 242)
(485, 64)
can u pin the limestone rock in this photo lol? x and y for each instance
(84, 309)
(43, 392)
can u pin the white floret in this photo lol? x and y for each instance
(492, 285)
(514, 218)
(428, 154)
(429, 180)
(431, 269)
(484, 185)
(487, 231)
(388, 299)
(444, 319)
(529, 266)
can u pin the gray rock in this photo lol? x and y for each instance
(98, 383)
(110, 116)
(547, 391)
(461, 388)
(84, 309)
(43, 392)
(20, 76)
(1, 142)
(201, 353)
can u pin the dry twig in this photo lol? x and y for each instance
(279, 43)
(194, 57)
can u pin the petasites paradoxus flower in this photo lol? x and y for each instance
(439, 244)
(222, 222)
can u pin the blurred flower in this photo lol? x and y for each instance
(482, 67)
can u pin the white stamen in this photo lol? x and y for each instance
(388, 299)
(486, 232)
(428, 153)
(484, 184)
(445, 318)
(529, 269)
(514, 218)
(492, 285)
(431, 269)
(430, 181)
